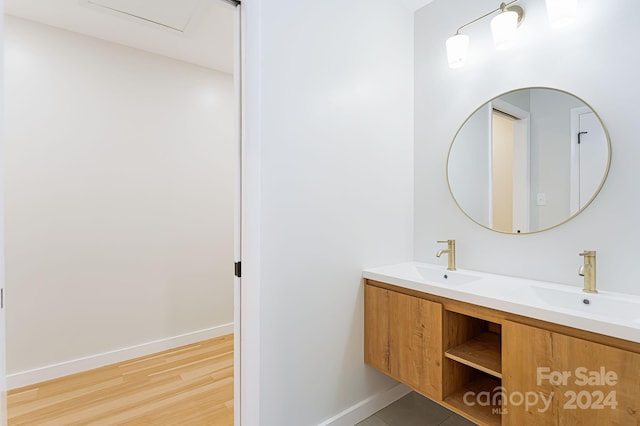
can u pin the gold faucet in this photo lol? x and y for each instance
(588, 271)
(451, 251)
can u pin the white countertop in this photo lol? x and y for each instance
(608, 313)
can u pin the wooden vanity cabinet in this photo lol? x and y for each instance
(590, 383)
(403, 339)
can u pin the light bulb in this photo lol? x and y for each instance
(503, 28)
(457, 46)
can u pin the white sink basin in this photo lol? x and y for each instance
(601, 304)
(438, 276)
(613, 314)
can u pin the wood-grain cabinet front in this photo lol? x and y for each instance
(403, 339)
(554, 379)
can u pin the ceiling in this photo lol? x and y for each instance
(415, 4)
(195, 31)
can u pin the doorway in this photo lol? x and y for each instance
(502, 171)
(166, 303)
(510, 168)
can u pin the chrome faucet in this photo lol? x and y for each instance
(451, 251)
(588, 271)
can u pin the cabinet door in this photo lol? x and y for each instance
(403, 339)
(553, 379)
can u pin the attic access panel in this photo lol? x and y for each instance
(174, 14)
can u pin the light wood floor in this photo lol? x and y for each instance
(191, 385)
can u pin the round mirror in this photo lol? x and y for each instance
(528, 160)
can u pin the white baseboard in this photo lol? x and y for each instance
(53, 371)
(363, 409)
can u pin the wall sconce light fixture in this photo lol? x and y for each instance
(457, 46)
(504, 27)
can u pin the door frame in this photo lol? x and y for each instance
(247, 306)
(3, 352)
(238, 214)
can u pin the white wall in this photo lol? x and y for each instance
(587, 59)
(119, 196)
(330, 184)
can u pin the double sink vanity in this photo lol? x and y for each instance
(504, 350)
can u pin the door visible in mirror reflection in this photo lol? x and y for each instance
(588, 157)
(509, 169)
(502, 170)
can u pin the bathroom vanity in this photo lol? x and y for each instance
(485, 347)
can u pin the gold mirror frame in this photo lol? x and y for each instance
(580, 210)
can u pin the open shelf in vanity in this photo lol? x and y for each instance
(481, 352)
(461, 399)
(472, 366)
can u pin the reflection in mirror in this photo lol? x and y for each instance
(528, 160)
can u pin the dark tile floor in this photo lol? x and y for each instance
(415, 410)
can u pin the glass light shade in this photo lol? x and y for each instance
(503, 28)
(561, 12)
(457, 46)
